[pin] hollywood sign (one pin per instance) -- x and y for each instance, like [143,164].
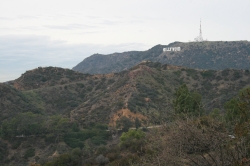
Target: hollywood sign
[172,49]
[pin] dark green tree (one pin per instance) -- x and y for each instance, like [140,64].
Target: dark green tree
[237,117]
[75,127]
[187,103]
[137,123]
[125,123]
[238,109]
[133,140]
[25,123]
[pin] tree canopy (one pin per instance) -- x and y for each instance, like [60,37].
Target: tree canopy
[187,103]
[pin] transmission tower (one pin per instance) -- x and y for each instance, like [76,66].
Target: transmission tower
[199,38]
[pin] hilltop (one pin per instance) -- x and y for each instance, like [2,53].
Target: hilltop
[210,55]
[46,76]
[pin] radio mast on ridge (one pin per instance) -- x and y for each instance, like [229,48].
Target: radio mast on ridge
[199,38]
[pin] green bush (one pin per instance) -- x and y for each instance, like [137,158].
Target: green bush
[187,103]
[101,126]
[126,160]
[191,72]
[75,127]
[29,153]
[76,139]
[24,123]
[133,140]
[15,144]
[236,75]
[74,143]
[97,140]
[225,72]
[178,73]
[132,134]
[3,151]
[247,72]
[62,160]
[208,73]
[50,138]
[124,123]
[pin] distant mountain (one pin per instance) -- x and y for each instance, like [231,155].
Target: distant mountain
[213,55]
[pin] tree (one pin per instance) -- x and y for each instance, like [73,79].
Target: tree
[137,123]
[215,113]
[101,160]
[57,125]
[238,112]
[125,123]
[25,123]
[187,103]
[132,134]
[132,140]
[238,120]
[237,109]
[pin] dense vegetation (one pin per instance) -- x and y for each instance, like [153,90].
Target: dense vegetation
[79,119]
[190,140]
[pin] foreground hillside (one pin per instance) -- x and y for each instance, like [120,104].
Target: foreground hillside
[217,55]
[145,91]
[54,110]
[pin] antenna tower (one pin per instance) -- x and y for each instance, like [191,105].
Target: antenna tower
[199,38]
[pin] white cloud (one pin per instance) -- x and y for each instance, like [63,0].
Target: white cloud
[70,26]
[70,30]
[21,53]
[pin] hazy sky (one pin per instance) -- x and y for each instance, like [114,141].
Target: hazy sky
[62,33]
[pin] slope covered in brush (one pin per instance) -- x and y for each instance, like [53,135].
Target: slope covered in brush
[69,109]
[145,91]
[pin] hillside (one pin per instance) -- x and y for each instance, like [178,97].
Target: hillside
[146,89]
[13,102]
[60,109]
[217,55]
[47,76]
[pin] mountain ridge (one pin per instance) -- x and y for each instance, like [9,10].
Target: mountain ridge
[214,55]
